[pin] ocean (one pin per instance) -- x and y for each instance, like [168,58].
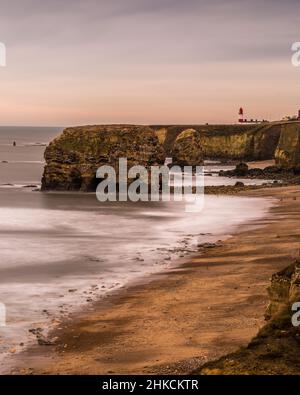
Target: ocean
[61,251]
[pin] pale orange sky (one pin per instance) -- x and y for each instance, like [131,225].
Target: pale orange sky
[147,61]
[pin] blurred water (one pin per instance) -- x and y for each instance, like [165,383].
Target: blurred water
[23,163]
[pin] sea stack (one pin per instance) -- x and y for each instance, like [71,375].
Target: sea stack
[73,158]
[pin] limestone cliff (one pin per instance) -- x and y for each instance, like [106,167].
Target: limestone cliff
[287,153]
[276,348]
[283,292]
[253,142]
[73,158]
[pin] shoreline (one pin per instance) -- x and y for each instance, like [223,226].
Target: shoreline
[40,314]
[172,323]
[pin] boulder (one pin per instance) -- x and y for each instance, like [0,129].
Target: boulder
[241,169]
[187,149]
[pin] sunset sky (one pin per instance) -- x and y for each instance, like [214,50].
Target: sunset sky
[147,61]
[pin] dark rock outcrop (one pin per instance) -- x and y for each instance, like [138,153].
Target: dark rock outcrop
[241,169]
[268,173]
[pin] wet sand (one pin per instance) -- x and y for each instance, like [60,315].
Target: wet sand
[209,307]
[262,164]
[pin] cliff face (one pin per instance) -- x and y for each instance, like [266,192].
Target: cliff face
[276,348]
[257,144]
[283,292]
[288,150]
[231,146]
[73,158]
[253,142]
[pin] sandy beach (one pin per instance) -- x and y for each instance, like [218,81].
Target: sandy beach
[179,320]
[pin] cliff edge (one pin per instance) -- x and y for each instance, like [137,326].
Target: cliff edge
[276,348]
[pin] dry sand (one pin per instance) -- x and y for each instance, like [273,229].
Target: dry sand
[209,307]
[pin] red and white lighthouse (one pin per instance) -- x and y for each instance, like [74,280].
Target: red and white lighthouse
[241,115]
